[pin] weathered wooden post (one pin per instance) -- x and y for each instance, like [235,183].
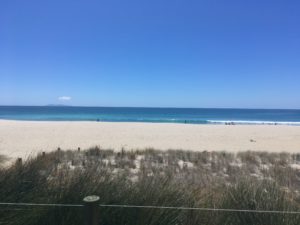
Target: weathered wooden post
[91,210]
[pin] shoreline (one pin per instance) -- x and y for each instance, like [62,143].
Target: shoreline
[182,121]
[19,138]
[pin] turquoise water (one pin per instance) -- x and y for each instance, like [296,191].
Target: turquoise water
[164,115]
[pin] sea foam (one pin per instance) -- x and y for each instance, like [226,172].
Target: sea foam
[250,122]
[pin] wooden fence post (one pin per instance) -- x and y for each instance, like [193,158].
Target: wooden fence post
[91,210]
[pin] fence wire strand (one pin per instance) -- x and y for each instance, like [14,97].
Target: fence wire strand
[153,207]
[203,209]
[39,204]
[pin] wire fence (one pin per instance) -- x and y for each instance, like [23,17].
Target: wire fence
[39,204]
[92,205]
[148,207]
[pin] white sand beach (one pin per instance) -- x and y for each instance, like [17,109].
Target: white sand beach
[24,138]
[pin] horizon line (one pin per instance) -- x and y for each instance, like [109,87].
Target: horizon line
[160,107]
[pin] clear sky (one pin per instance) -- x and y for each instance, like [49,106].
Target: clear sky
[164,53]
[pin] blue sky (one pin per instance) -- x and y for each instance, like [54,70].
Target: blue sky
[170,53]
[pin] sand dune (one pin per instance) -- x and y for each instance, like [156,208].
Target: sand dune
[22,138]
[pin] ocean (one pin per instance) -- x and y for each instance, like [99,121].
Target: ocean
[153,115]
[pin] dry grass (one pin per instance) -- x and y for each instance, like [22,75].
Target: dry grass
[247,180]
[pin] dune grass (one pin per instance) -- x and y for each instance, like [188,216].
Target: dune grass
[247,180]
[3,159]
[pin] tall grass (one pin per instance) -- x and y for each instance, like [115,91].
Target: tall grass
[257,181]
[3,159]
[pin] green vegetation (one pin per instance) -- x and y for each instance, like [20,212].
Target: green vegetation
[247,180]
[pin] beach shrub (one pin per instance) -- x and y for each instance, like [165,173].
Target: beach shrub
[151,177]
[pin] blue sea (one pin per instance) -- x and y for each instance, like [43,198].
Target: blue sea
[152,115]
